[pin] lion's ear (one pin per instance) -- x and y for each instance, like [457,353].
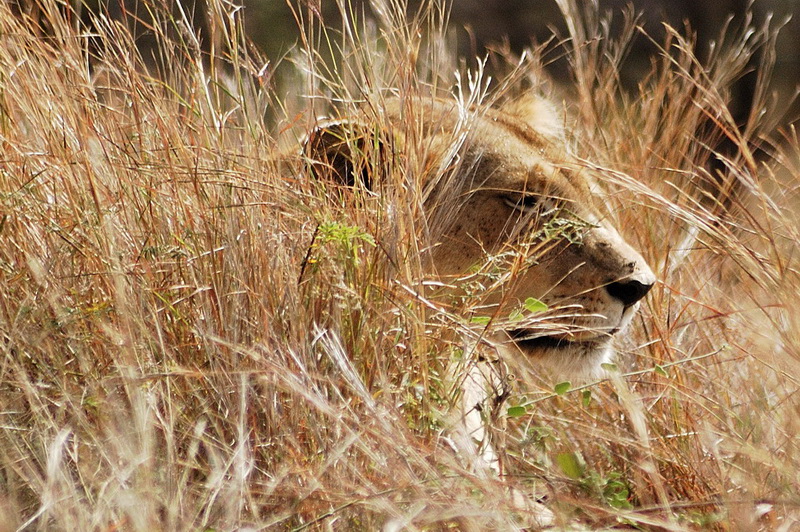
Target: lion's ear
[345,152]
[541,114]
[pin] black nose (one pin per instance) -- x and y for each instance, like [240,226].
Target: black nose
[629,292]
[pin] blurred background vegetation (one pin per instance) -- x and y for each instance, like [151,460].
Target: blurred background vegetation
[482,25]
[479,26]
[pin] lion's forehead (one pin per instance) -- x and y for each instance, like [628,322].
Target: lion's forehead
[504,152]
[507,163]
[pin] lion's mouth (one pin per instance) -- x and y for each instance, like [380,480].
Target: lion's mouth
[528,339]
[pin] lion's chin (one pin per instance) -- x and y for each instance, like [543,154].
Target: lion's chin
[566,357]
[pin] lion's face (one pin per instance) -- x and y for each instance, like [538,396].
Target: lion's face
[512,199]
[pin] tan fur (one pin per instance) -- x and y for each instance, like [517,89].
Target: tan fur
[502,184]
[477,164]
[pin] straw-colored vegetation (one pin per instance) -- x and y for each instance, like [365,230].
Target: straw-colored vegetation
[196,337]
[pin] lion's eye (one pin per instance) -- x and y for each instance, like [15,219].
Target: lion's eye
[532,203]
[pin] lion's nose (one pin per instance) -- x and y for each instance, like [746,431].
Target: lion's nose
[629,291]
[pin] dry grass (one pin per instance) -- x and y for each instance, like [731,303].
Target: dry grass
[194,338]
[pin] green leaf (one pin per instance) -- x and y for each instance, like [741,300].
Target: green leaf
[516,315]
[534,305]
[570,464]
[616,492]
[586,397]
[517,411]
[480,320]
[611,368]
[562,387]
[660,370]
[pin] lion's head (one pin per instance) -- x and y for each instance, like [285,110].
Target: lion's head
[502,189]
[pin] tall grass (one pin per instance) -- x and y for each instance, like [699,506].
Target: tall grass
[194,336]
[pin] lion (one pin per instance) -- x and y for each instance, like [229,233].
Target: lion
[502,183]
